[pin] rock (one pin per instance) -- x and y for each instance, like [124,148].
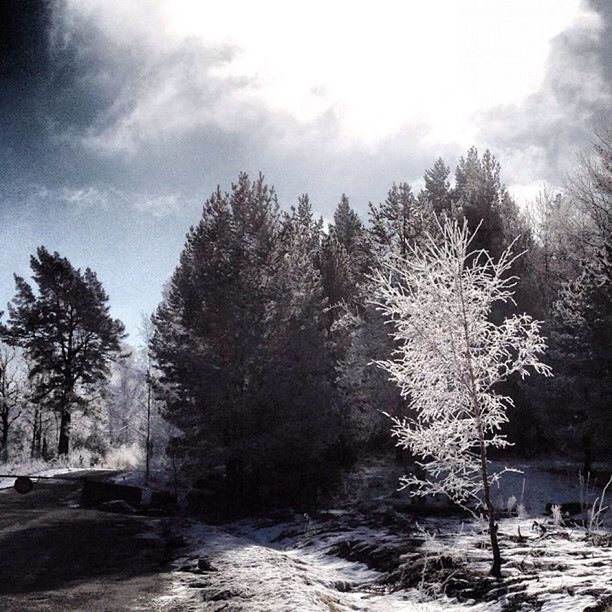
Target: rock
[343,586]
[23,485]
[205,565]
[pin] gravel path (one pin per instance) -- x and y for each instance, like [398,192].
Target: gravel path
[55,556]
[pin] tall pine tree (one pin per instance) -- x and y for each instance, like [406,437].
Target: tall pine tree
[66,330]
[241,346]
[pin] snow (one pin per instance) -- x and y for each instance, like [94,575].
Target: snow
[260,575]
[39,469]
[296,564]
[259,569]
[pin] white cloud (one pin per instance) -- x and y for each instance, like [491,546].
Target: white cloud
[158,206]
[106,197]
[369,71]
[538,138]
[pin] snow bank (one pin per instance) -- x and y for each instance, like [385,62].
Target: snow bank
[250,574]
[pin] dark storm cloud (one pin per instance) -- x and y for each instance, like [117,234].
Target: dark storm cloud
[101,114]
[24,67]
[542,136]
[43,94]
[23,45]
[63,82]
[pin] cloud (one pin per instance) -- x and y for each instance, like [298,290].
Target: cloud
[172,67]
[117,119]
[539,138]
[158,206]
[96,197]
[165,97]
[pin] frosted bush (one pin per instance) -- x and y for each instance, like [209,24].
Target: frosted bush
[124,457]
[557,515]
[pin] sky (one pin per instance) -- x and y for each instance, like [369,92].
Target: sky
[118,119]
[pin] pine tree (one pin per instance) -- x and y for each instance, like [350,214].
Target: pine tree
[347,228]
[240,344]
[437,190]
[345,259]
[484,202]
[210,326]
[364,393]
[297,379]
[67,333]
[302,217]
[397,222]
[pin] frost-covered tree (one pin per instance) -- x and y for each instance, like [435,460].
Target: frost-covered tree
[450,360]
[126,398]
[13,389]
[582,343]
[555,257]
[590,190]
[581,336]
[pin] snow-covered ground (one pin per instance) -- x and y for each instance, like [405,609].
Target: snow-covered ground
[253,572]
[7,483]
[122,458]
[361,557]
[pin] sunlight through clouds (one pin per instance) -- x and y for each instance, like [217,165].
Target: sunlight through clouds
[124,114]
[375,69]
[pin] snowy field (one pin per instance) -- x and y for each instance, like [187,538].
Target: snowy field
[372,555]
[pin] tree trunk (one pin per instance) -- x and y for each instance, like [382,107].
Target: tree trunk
[36,433]
[497,561]
[496,567]
[5,432]
[64,434]
[148,436]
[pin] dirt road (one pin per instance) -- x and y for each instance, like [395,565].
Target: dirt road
[55,556]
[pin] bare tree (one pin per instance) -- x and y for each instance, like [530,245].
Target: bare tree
[590,189]
[146,334]
[13,379]
[449,361]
